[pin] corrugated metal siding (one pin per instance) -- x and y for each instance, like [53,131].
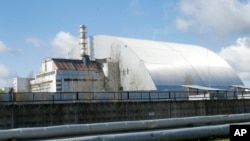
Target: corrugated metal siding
[68,64]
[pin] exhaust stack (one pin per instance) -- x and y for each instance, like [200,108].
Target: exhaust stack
[83,48]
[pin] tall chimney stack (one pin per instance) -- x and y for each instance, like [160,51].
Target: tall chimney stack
[83,48]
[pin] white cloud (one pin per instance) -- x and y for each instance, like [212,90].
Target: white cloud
[182,24]
[5,49]
[219,16]
[63,43]
[6,76]
[237,55]
[34,41]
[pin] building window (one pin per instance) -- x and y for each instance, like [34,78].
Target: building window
[58,85]
[58,89]
[46,74]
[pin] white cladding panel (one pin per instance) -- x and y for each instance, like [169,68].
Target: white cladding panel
[21,84]
[154,65]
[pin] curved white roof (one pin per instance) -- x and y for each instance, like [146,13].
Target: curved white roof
[167,65]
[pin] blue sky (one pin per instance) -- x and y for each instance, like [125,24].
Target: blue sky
[31,30]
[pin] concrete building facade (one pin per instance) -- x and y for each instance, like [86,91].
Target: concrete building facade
[67,75]
[21,84]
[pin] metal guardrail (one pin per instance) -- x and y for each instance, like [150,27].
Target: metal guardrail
[140,96]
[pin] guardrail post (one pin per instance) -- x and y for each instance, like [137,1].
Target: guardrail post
[61,96]
[149,96]
[53,99]
[174,96]
[127,95]
[77,96]
[33,98]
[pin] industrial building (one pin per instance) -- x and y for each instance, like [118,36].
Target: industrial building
[108,63]
[71,75]
[21,84]
[154,65]
[67,75]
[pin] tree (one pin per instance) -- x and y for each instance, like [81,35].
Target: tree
[1,91]
[188,80]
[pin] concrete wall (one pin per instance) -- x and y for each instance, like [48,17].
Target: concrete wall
[21,84]
[35,115]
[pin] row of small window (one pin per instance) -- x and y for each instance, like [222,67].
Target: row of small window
[41,86]
[80,79]
[40,89]
[58,89]
[58,85]
[59,81]
[46,74]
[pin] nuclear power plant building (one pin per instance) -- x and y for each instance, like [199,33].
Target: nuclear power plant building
[132,64]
